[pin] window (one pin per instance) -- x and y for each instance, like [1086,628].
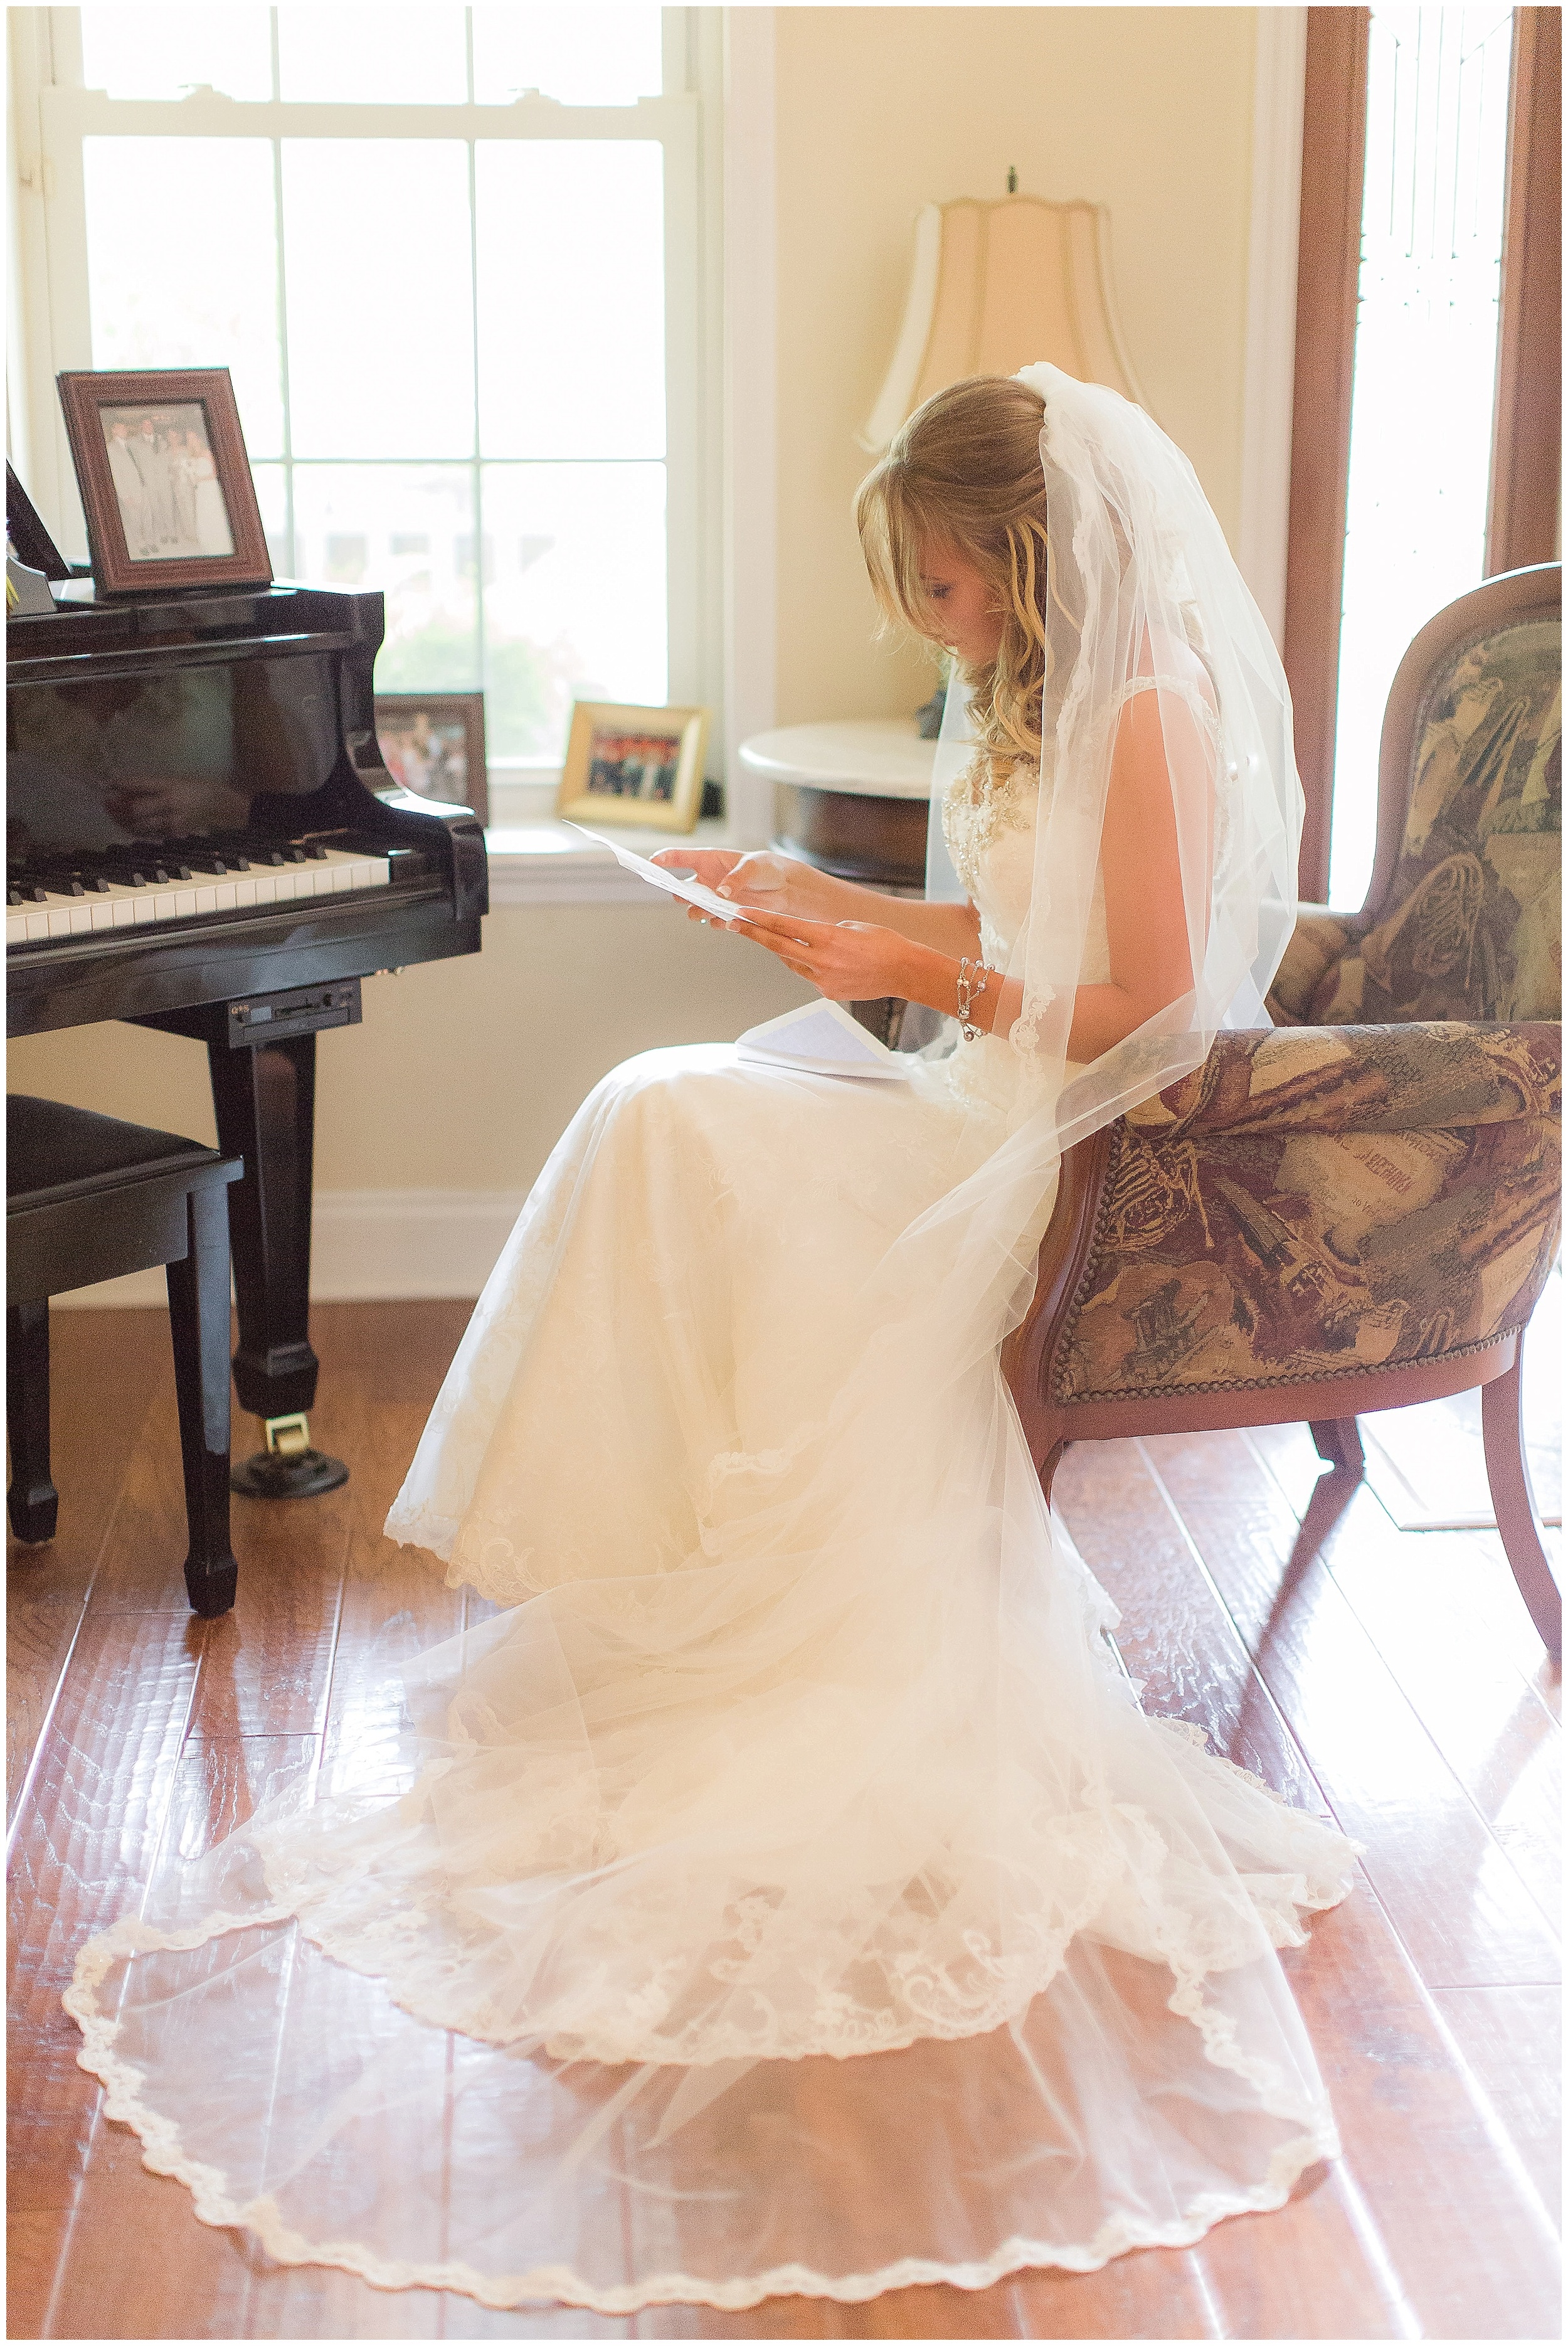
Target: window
[1432,144]
[1426,352]
[450,255]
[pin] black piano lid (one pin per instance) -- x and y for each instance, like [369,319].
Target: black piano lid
[315,646]
[123,636]
[25,528]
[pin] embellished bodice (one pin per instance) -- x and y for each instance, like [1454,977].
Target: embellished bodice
[990,815]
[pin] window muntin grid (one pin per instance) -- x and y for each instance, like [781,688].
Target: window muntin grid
[496,430]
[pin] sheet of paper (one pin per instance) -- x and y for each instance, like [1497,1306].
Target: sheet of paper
[822,1039]
[690,892]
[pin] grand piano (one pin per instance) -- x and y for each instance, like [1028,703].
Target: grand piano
[202,838]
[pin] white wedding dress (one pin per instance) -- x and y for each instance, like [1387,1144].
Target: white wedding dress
[802,1740]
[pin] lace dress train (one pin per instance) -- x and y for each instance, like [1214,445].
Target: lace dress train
[786,1892]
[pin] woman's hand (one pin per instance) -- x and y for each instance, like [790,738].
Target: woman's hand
[849,960]
[778,883]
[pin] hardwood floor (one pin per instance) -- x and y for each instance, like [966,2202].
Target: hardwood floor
[1403,1680]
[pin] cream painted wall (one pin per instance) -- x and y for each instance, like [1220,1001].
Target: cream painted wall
[464,1073]
[879,110]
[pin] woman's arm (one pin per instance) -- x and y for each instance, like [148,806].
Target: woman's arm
[1146,908]
[1145,911]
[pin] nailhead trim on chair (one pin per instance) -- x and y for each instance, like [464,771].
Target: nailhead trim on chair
[1268,1384]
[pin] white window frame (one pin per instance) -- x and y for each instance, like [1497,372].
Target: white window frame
[52,114]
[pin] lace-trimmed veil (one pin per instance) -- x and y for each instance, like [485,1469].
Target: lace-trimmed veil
[861,1778]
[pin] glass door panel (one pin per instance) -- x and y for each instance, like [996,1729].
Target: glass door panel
[1426,356]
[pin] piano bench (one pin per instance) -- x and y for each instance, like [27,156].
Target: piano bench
[89,1198]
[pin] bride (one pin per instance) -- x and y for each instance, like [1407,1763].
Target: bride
[788,1894]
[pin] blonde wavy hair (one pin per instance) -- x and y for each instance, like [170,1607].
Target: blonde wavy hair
[964,471]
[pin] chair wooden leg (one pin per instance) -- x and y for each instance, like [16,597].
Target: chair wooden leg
[1053,1459]
[1514,1503]
[1339,1440]
[32,1502]
[198,1321]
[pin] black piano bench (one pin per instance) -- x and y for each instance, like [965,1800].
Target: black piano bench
[88,1198]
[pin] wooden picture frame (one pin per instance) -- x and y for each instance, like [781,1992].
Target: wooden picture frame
[637,768]
[433,743]
[165,480]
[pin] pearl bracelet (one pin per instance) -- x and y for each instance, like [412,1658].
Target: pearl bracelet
[974,977]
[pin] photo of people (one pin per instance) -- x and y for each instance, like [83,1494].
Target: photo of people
[426,754]
[433,744]
[632,765]
[166,481]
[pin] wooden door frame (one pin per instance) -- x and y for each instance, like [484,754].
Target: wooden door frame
[1521,517]
[1527,416]
[1333,166]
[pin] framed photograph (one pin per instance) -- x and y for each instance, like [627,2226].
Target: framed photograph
[165,480]
[433,744]
[639,767]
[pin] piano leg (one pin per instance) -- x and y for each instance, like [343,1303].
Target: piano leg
[32,1502]
[199,1319]
[265,1098]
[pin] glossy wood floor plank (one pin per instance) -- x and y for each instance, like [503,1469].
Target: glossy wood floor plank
[1502,1744]
[34,2239]
[124,2248]
[313,2301]
[1451,1889]
[1316,2269]
[1377,1991]
[1451,1574]
[1175,1635]
[1152,2293]
[142,1566]
[1428,1461]
[1513,1621]
[776,2316]
[84,1848]
[1430,2224]
[462,2318]
[1445,2216]
[41,1620]
[1512,2039]
[116,1386]
[396,1603]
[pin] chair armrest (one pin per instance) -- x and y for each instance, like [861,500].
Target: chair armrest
[1318,942]
[1346,1080]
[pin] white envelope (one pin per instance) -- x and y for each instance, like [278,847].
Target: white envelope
[822,1039]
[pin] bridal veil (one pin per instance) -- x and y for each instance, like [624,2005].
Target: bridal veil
[800,1901]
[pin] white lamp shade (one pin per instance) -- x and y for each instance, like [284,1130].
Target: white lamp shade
[995,286]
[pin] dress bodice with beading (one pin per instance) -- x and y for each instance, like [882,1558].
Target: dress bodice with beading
[989,816]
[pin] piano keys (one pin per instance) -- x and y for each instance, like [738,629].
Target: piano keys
[153,882]
[202,838]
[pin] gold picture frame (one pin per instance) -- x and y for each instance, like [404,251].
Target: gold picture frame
[637,768]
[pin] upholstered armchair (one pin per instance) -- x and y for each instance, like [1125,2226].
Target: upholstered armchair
[1357,1209]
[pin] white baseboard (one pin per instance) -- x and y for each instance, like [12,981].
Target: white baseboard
[368,1246]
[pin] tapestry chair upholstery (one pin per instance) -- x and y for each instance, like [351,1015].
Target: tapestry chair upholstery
[1357,1209]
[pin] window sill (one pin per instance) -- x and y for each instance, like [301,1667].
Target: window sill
[548,862]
